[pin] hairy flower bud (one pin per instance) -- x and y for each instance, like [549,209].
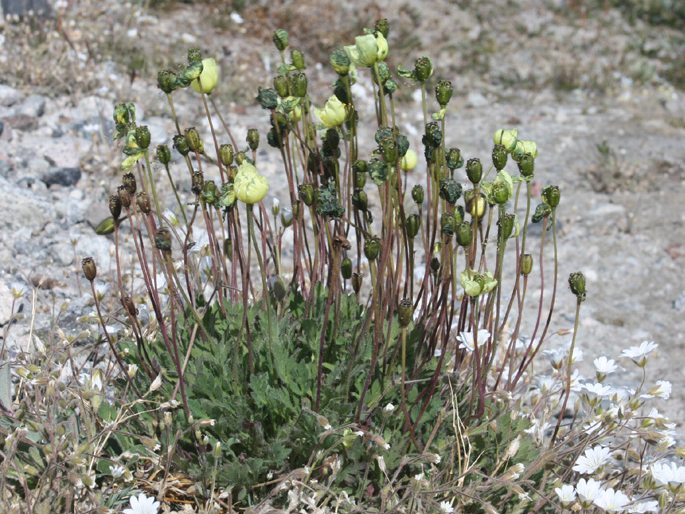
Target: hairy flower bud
[306,193]
[346,268]
[447,225]
[267,98]
[197,183]
[333,113]
[433,135]
[412,225]
[142,135]
[423,69]
[226,153]
[163,154]
[143,202]
[297,59]
[115,206]
[356,282]
[499,157]
[576,282]
[405,312]
[163,240]
[282,86]
[506,138]
[280,39]
[340,61]
[194,141]
[372,247]
[360,199]
[551,196]
[383,26]
[252,138]
[474,170]
[542,211]
[499,193]
[443,92]
[464,235]
[129,182]
[435,264]
[194,55]
[89,269]
[526,264]
[124,196]
[505,226]
[166,81]
[450,190]
[298,85]
[454,159]
[417,194]
[526,165]
[181,144]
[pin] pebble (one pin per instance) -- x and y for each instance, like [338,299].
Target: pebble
[9,96]
[62,177]
[476,99]
[33,106]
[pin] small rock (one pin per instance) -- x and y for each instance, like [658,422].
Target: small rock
[9,96]
[33,106]
[679,302]
[26,8]
[476,99]
[22,122]
[62,177]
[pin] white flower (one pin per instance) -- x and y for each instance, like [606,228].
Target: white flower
[142,504]
[605,366]
[389,407]
[588,490]
[566,493]
[598,390]
[593,459]
[612,501]
[638,354]
[668,474]
[466,339]
[117,471]
[662,390]
[643,507]
[558,356]
[446,507]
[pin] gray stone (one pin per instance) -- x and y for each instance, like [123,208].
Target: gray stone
[476,99]
[2,127]
[9,96]
[26,8]
[679,302]
[62,177]
[33,106]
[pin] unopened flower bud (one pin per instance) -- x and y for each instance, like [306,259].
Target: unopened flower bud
[163,240]
[124,196]
[346,268]
[287,218]
[551,196]
[474,170]
[240,158]
[143,136]
[143,202]
[297,59]
[505,226]
[356,282]
[282,86]
[499,157]
[360,199]
[405,312]
[506,138]
[410,160]
[500,193]
[447,225]
[576,282]
[197,182]
[89,269]
[450,190]
[129,182]
[194,140]
[163,154]
[129,306]
[383,27]
[306,194]
[435,264]
[298,85]
[253,139]
[194,55]
[278,288]
[526,264]
[166,81]
[115,206]
[389,150]
[280,39]
[541,212]
[228,248]
[226,153]
[443,92]
[423,69]
[181,144]
[464,235]
[417,194]
[413,225]
[454,159]
[526,165]
[340,61]
[433,135]
[372,247]
[267,98]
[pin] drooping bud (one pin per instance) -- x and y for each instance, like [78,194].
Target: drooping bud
[417,194]
[405,312]
[89,269]
[280,39]
[115,206]
[464,235]
[541,212]
[181,144]
[526,264]
[505,226]
[576,282]
[278,288]
[287,217]
[306,194]
[360,199]
[163,240]
[450,190]
[267,98]
[282,86]
[124,196]
[298,85]
[499,157]
[194,141]
[423,69]
[143,202]
[346,268]
[383,27]
[226,153]
[129,182]
[166,81]
[143,137]
[253,139]
[474,170]
[526,165]
[454,159]
[340,61]
[297,59]
[163,154]
[372,247]
[551,196]
[412,226]
[197,183]
[443,92]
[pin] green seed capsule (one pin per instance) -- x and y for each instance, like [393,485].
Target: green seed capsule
[576,282]
[526,264]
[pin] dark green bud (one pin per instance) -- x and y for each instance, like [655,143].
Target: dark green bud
[356,282]
[417,194]
[89,269]
[360,179]
[551,196]
[163,154]
[389,150]
[450,190]
[382,134]
[459,214]
[280,39]
[226,153]
[443,92]
[274,138]
[526,264]
[423,69]
[389,87]
[124,196]
[287,217]
[378,170]
[267,98]
[331,142]
[505,226]
[340,91]
[433,136]
[115,206]
[499,157]
[454,159]
[278,288]
[190,73]
[194,140]
[383,73]
[166,81]
[340,61]
[360,166]
[282,85]
[372,247]
[331,167]
[197,182]
[447,224]
[499,193]
[346,268]
[541,212]
[228,248]
[464,235]
[143,202]
[412,225]
[210,193]
[163,240]
[360,199]
[405,312]
[143,137]
[526,165]
[297,59]
[576,282]
[435,264]
[402,145]
[240,158]
[298,84]
[252,139]
[306,193]
[181,144]
[129,182]
[194,55]
[383,27]
[474,170]
[105,227]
